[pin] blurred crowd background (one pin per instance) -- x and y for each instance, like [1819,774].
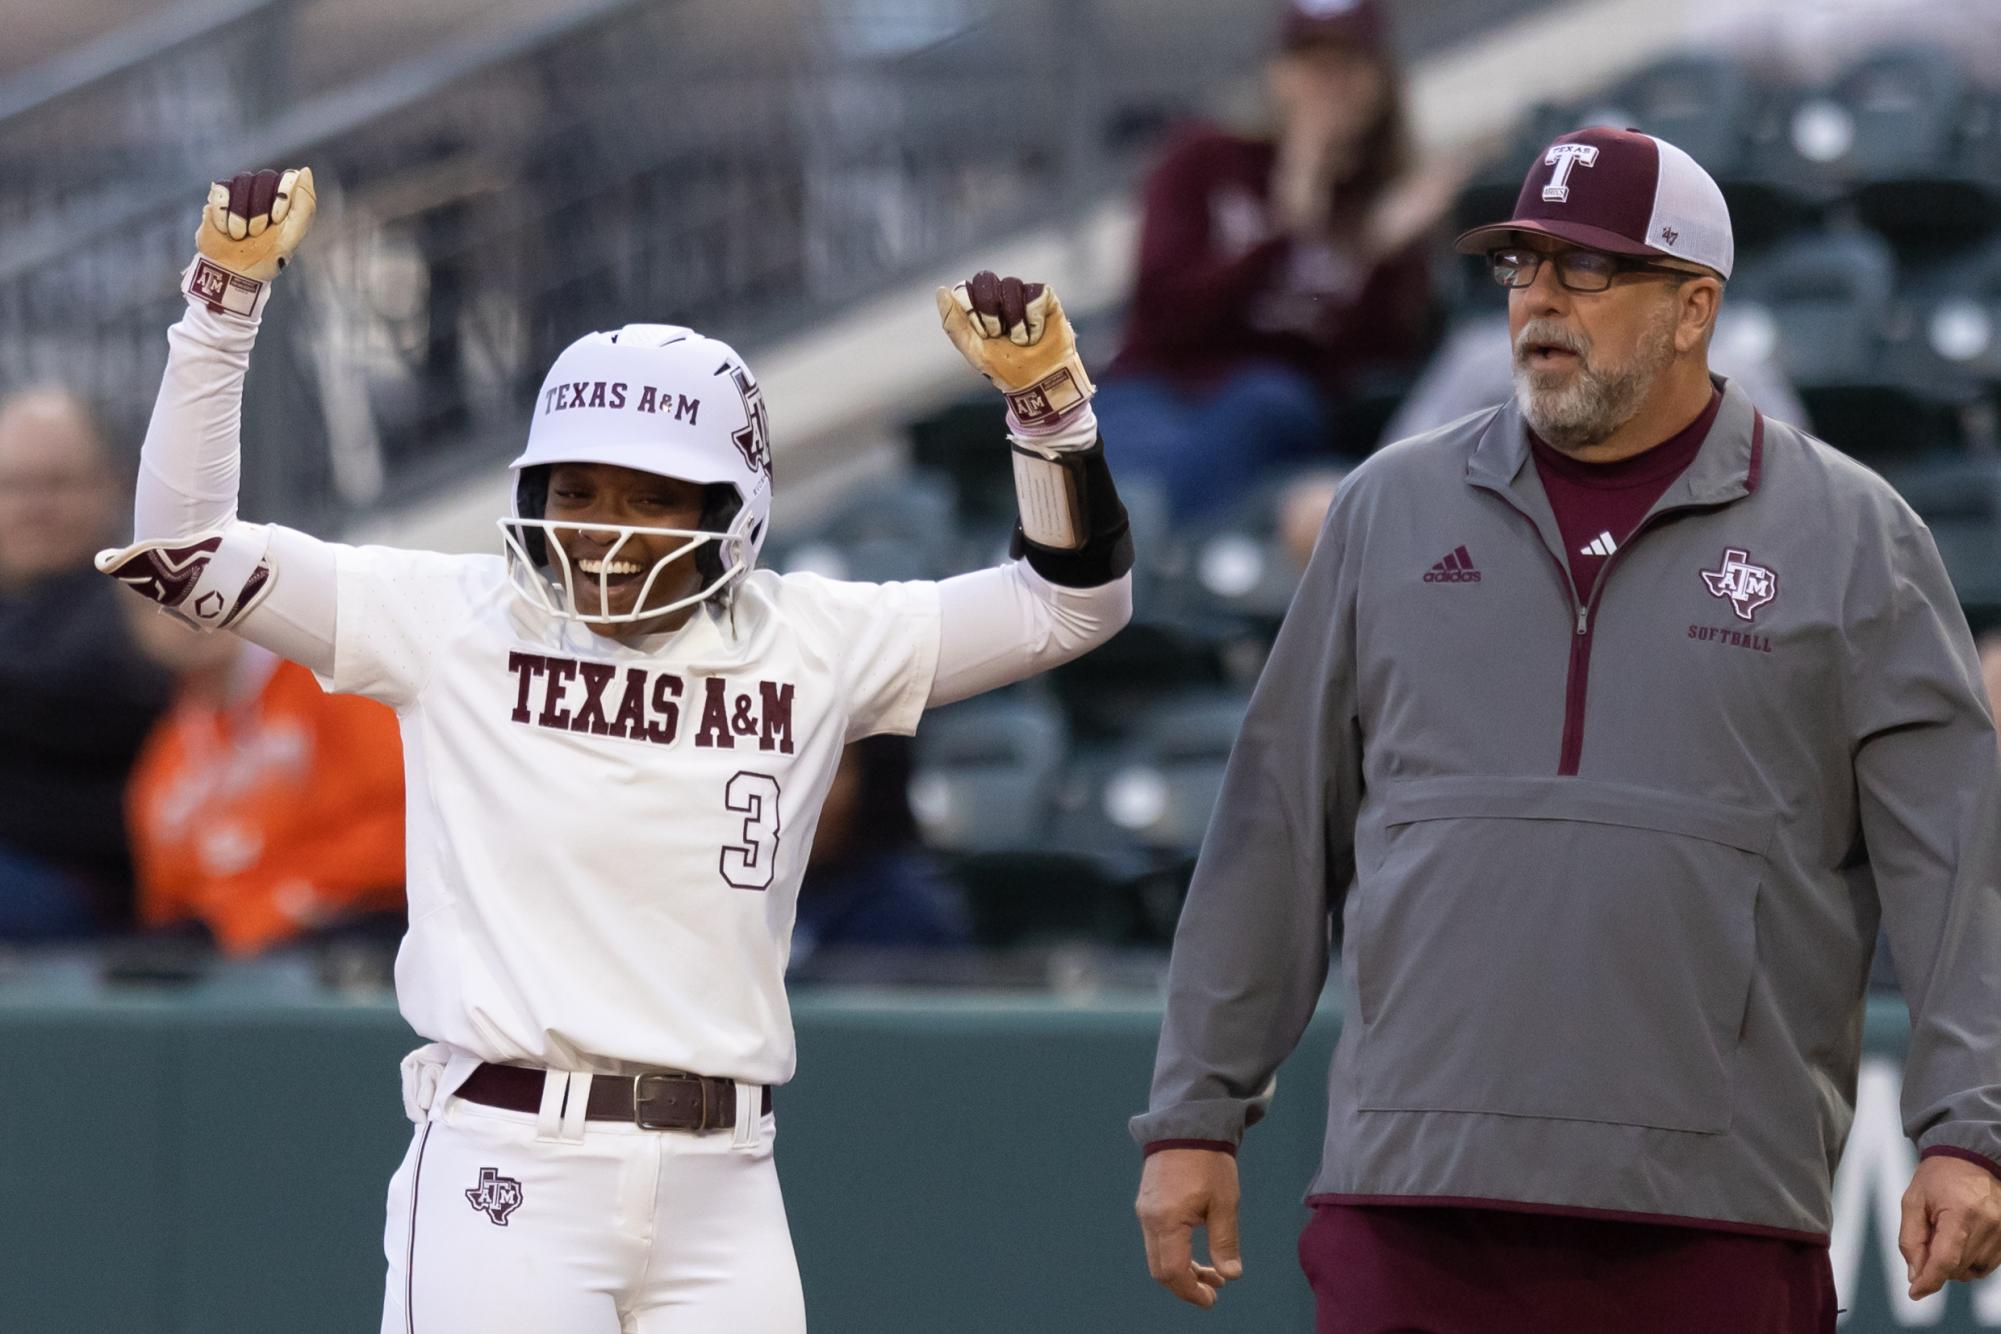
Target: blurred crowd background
[1247,205]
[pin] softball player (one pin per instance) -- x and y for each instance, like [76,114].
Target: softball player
[617,736]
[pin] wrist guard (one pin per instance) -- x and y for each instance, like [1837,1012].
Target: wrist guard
[1073,529]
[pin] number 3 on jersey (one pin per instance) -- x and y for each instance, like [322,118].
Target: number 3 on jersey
[752,863]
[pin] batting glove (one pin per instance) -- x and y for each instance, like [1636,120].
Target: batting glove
[249,228]
[1017,336]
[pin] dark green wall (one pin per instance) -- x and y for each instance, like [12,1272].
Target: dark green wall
[215,1159]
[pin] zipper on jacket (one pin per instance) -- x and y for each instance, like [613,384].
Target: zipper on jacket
[1577,680]
[1580,649]
[1578,676]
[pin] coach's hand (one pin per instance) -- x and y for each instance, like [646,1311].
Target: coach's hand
[249,228]
[1016,334]
[1179,1191]
[1952,1224]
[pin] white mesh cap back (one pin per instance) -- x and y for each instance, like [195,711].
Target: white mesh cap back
[1690,220]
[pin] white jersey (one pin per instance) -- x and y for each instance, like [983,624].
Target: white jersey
[606,841]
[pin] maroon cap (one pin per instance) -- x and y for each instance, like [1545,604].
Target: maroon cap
[1355,22]
[1623,192]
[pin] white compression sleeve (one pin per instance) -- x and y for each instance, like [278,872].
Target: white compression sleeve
[296,618]
[189,465]
[1001,625]
[188,477]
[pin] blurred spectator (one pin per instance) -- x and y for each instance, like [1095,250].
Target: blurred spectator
[1990,670]
[79,694]
[262,808]
[869,882]
[1302,511]
[1273,270]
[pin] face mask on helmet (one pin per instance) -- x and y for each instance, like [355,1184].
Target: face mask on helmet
[657,399]
[650,563]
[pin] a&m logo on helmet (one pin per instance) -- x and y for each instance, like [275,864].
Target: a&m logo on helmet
[754,440]
[1748,586]
[495,1196]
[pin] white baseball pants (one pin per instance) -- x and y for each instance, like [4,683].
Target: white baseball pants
[536,1224]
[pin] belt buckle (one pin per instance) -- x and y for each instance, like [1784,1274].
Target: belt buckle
[638,1099]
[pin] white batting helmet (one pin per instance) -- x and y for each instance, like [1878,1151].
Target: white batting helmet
[661,399]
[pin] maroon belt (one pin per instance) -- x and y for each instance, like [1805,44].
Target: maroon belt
[656,1100]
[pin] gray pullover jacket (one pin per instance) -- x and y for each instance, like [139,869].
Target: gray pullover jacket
[1610,876]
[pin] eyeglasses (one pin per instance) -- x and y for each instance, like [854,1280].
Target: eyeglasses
[1578,270]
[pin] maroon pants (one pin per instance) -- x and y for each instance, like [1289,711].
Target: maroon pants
[1423,1269]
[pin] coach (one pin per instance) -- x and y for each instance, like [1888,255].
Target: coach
[1612,721]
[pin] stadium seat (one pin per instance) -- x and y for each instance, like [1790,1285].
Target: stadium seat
[1152,525]
[1107,694]
[1723,115]
[1960,501]
[1026,897]
[1906,135]
[1230,570]
[1701,103]
[984,772]
[1154,789]
[1826,300]
[1949,332]
[960,442]
[1164,787]
[876,532]
[1136,810]
[1078,819]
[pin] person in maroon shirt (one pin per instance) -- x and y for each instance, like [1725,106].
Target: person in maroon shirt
[1272,269]
[1615,264]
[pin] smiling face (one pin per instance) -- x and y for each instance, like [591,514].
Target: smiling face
[603,493]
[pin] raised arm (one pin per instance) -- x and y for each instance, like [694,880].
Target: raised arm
[190,552]
[1073,589]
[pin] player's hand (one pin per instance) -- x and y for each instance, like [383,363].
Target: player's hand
[1016,334]
[255,220]
[1951,1224]
[249,228]
[1179,1191]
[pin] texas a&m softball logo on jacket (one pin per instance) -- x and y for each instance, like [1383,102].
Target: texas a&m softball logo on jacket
[1747,586]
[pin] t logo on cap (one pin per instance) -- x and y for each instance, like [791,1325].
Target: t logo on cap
[1648,199]
[1563,157]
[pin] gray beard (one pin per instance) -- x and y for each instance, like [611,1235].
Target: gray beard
[1595,403]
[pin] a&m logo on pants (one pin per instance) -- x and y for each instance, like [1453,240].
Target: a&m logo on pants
[1748,586]
[495,1196]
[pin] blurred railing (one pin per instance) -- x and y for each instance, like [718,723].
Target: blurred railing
[744,165]
[740,165]
[152,100]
